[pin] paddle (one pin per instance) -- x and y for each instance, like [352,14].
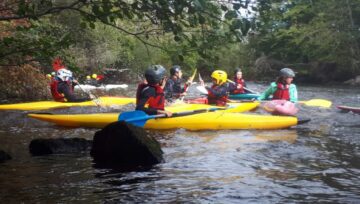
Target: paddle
[139,118]
[317,102]
[246,89]
[191,79]
[96,100]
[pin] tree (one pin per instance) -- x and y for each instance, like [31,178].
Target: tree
[202,24]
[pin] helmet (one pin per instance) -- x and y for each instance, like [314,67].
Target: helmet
[154,74]
[64,74]
[220,76]
[287,72]
[88,77]
[94,76]
[174,69]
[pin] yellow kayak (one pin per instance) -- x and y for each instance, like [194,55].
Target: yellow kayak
[217,120]
[43,105]
[100,120]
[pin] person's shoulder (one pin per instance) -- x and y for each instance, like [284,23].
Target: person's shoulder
[273,84]
[292,86]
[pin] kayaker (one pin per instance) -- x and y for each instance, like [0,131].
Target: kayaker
[218,92]
[62,87]
[173,88]
[283,88]
[240,85]
[150,96]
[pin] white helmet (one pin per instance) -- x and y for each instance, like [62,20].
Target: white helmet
[64,74]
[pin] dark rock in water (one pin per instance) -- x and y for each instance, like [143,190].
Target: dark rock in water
[121,144]
[59,146]
[4,156]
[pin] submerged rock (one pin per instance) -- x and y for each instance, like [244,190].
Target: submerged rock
[121,144]
[4,156]
[59,146]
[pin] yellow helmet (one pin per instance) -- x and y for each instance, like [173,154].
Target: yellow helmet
[94,76]
[220,76]
[88,77]
[48,76]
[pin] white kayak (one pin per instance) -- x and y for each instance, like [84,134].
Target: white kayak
[107,87]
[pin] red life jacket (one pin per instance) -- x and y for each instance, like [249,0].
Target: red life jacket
[219,101]
[282,92]
[59,97]
[241,90]
[157,101]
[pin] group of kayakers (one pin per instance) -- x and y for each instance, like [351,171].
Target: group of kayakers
[157,89]
[153,93]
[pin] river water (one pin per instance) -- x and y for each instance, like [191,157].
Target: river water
[314,162]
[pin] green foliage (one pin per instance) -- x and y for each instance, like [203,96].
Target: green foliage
[306,31]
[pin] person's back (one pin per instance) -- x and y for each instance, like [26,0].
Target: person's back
[62,87]
[218,92]
[150,96]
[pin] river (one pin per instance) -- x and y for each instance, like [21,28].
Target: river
[314,162]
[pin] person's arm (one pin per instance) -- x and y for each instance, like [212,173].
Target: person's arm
[168,90]
[65,89]
[293,93]
[268,92]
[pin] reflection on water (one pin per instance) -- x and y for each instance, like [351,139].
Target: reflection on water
[315,162]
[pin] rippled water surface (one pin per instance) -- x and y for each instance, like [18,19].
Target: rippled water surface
[315,162]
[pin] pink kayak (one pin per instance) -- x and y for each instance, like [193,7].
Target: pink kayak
[201,100]
[280,107]
[350,108]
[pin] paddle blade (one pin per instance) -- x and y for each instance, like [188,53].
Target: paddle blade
[317,102]
[202,90]
[137,118]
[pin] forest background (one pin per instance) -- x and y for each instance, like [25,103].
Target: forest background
[319,39]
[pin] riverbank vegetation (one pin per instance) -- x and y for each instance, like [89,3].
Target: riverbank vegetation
[319,39]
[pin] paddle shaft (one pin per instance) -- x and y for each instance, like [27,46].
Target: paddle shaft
[97,101]
[188,86]
[246,89]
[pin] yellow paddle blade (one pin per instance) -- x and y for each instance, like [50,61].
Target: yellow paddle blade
[317,102]
[193,75]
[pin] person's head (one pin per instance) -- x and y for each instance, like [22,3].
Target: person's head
[176,71]
[94,76]
[219,77]
[155,74]
[64,74]
[238,73]
[287,75]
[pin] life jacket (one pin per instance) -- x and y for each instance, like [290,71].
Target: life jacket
[157,101]
[282,92]
[241,90]
[59,97]
[219,101]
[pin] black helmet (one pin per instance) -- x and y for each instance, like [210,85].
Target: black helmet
[174,69]
[154,74]
[287,72]
[237,69]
